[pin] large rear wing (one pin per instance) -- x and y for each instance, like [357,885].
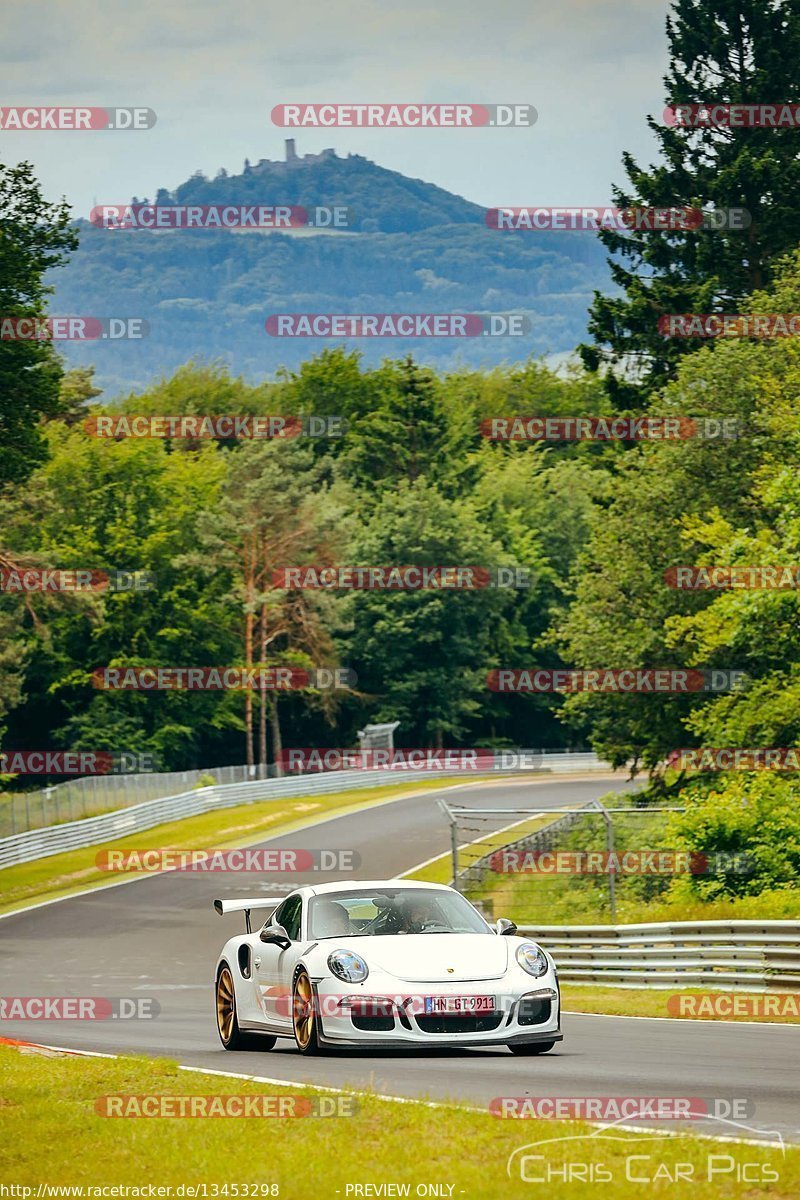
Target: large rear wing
[245,906]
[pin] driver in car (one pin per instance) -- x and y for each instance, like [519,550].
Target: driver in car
[419,914]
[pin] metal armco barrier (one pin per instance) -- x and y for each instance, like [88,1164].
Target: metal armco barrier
[91,795]
[752,955]
[73,835]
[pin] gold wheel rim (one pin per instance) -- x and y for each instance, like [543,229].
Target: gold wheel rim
[303,1014]
[226,1005]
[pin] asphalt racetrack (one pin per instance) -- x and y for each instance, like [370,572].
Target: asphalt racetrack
[159,937]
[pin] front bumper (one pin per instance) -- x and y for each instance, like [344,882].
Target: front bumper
[349,1015]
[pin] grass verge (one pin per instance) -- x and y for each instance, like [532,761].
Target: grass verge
[49,1102]
[783,1008]
[228,828]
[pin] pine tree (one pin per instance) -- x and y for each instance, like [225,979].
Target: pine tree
[723,52]
[35,237]
[406,435]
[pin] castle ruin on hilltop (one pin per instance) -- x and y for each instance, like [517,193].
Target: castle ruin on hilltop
[292,158]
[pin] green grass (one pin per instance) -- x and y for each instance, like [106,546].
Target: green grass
[558,901]
[439,871]
[652,1002]
[229,828]
[52,1134]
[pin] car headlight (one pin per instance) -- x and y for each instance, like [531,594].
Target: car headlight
[532,959]
[348,966]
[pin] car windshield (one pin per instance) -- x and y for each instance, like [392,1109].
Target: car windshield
[392,911]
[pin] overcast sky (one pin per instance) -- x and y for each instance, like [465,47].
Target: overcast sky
[212,72]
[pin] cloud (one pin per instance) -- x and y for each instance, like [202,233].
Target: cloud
[213,72]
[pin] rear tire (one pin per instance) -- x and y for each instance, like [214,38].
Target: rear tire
[530,1047]
[304,1019]
[228,1029]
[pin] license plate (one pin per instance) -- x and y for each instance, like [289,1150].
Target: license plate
[459,1004]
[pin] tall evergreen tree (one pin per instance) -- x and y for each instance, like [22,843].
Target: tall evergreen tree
[34,236]
[721,52]
[406,435]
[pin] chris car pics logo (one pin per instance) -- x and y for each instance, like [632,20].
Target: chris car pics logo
[613,1154]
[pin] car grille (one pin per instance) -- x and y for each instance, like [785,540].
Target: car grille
[373,1023]
[533,1010]
[459,1022]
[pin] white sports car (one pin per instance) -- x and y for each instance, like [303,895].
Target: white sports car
[388,964]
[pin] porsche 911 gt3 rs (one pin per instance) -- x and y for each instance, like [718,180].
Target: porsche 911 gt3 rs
[389,964]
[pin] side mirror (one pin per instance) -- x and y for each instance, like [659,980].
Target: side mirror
[275,935]
[505,927]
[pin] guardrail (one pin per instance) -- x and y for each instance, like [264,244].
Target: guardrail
[91,831]
[752,955]
[91,795]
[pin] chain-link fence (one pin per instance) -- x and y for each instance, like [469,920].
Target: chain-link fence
[537,865]
[94,794]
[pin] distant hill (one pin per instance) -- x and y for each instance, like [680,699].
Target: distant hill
[384,201]
[413,248]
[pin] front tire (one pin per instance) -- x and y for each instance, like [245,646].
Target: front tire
[304,1021]
[228,1029]
[531,1047]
